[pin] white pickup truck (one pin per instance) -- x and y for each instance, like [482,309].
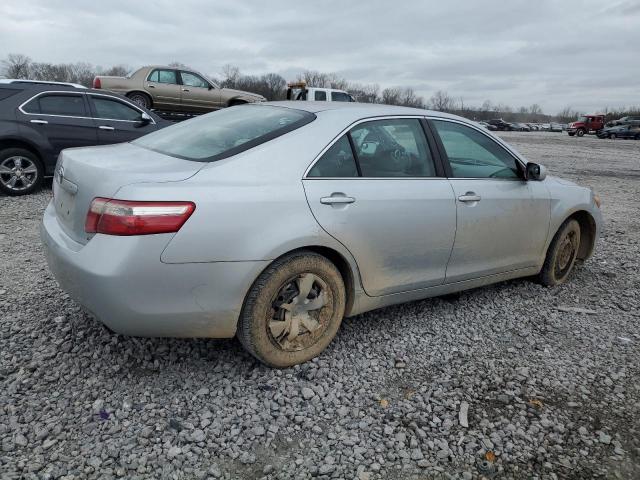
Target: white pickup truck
[300,91]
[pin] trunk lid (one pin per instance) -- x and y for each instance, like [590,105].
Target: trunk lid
[85,173]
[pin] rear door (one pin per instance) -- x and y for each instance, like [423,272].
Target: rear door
[164,87]
[62,118]
[377,190]
[116,120]
[502,219]
[197,93]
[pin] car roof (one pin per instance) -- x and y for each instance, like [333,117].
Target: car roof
[21,81]
[355,109]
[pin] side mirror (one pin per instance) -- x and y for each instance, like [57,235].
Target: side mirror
[145,119]
[536,172]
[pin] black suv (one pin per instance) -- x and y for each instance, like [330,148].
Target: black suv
[39,120]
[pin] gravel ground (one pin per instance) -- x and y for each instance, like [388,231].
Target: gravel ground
[550,376]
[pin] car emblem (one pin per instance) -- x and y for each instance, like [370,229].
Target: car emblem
[60,174]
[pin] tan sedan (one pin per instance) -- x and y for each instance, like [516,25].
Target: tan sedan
[175,89]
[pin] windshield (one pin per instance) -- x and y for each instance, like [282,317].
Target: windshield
[225,133]
[582,119]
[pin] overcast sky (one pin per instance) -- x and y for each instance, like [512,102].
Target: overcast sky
[552,52]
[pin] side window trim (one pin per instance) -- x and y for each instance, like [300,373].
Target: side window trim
[445,158]
[429,138]
[94,113]
[87,112]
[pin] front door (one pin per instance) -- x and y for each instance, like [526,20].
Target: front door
[377,192]
[197,93]
[117,121]
[503,220]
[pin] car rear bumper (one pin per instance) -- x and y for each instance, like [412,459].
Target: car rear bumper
[122,282]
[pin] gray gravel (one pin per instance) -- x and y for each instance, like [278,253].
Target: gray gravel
[549,378]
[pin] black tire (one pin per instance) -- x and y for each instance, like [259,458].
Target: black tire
[580,133]
[612,136]
[21,168]
[233,103]
[637,137]
[141,99]
[562,253]
[571,134]
[260,311]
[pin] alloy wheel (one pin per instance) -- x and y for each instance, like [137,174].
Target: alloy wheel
[300,312]
[18,173]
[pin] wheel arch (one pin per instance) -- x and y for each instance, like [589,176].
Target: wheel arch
[588,232]
[20,143]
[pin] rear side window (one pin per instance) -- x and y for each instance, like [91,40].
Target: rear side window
[393,148]
[111,109]
[320,96]
[338,161]
[340,97]
[163,76]
[225,133]
[8,92]
[68,105]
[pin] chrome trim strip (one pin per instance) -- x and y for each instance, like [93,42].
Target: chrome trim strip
[117,99]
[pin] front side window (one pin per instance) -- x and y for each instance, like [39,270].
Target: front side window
[338,161]
[107,108]
[320,96]
[163,76]
[393,148]
[57,104]
[225,132]
[474,155]
[340,97]
[193,80]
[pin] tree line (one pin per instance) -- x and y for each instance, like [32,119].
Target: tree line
[274,87]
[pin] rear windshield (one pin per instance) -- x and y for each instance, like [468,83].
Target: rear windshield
[225,133]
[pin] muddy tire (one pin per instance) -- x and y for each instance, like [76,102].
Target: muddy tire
[21,172]
[293,310]
[141,99]
[562,253]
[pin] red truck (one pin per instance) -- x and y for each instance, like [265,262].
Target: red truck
[586,124]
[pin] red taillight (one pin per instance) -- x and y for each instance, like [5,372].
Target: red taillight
[125,217]
[96,83]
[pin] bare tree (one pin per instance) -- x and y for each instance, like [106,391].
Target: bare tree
[17,66]
[391,96]
[535,109]
[441,101]
[230,76]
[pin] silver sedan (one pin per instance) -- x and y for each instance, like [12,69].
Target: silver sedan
[272,222]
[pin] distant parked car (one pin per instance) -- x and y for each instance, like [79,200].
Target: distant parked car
[500,124]
[381,205]
[20,81]
[488,126]
[555,127]
[38,120]
[625,120]
[300,91]
[621,131]
[520,127]
[174,89]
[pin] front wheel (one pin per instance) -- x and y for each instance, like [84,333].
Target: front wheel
[561,255]
[580,133]
[293,310]
[21,172]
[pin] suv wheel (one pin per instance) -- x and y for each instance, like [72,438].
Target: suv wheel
[293,310]
[21,172]
[141,99]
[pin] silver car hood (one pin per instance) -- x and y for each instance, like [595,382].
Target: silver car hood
[561,181]
[85,173]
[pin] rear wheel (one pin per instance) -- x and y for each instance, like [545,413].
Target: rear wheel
[141,99]
[293,310]
[21,172]
[562,254]
[580,133]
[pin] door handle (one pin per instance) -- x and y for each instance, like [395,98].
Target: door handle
[470,197]
[106,127]
[39,122]
[337,200]
[151,86]
[185,89]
